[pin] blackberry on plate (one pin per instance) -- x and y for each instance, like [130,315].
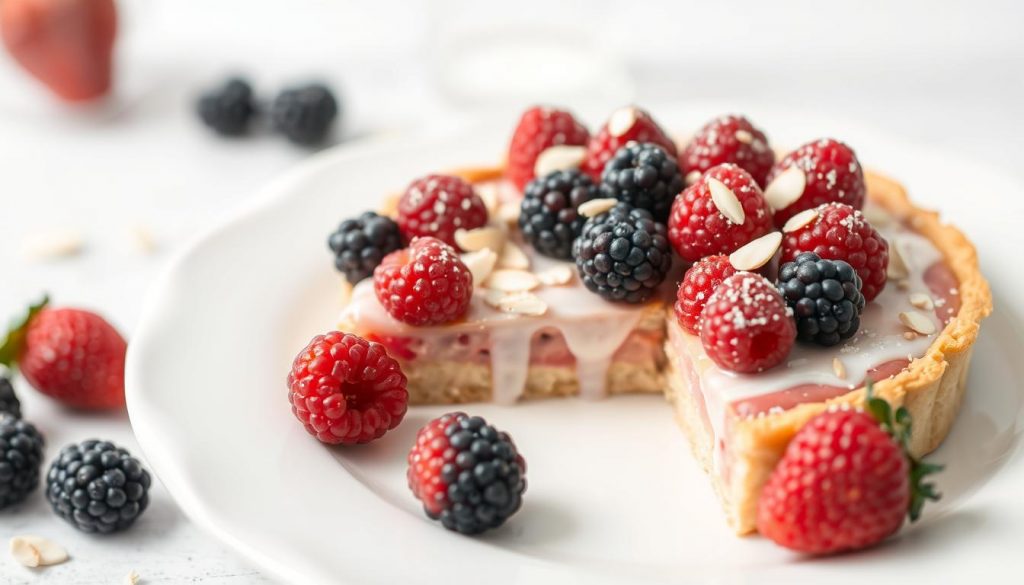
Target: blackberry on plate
[21,455]
[825,296]
[9,402]
[97,486]
[360,244]
[645,176]
[549,219]
[467,474]
[228,109]
[623,254]
[304,114]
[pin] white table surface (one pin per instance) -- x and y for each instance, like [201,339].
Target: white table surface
[949,78]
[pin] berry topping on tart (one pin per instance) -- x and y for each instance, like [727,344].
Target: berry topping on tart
[840,232]
[746,326]
[359,244]
[645,176]
[438,206]
[721,212]
[539,129]
[424,284]
[549,218]
[728,139]
[629,124]
[698,284]
[818,172]
[825,297]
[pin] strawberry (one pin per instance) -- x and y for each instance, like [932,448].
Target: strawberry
[71,355]
[845,481]
[66,44]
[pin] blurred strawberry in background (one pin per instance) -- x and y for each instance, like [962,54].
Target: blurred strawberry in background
[66,44]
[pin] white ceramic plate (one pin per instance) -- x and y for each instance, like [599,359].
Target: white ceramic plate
[614,495]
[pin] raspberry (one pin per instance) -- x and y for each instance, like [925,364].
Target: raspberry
[729,139]
[698,284]
[825,297]
[746,326]
[623,254]
[437,206]
[697,228]
[645,176]
[831,174]
[345,389]
[21,454]
[840,232]
[467,474]
[845,481]
[548,218]
[304,114]
[424,284]
[71,355]
[629,124]
[539,129]
[361,243]
[228,109]
[9,402]
[97,487]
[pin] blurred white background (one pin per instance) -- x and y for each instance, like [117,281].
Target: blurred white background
[946,74]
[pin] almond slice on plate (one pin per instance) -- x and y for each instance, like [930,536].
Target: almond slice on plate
[523,303]
[41,551]
[512,256]
[480,264]
[53,245]
[508,213]
[24,553]
[839,367]
[918,322]
[480,238]
[756,253]
[132,578]
[596,207]
[489,194]
[559,158]
[786,188]
[800,220]
[507,280]
[622,120]
[556,275]
[897,268]
[492,297]
[922,301]
[726,202]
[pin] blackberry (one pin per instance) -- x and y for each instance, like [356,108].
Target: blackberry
[825,297]
[548,219]
[360,244]
[623,254]
[9,402]
[468,474]
[21,454]
[304,114]
[645,176]
[228,109]
[97,486]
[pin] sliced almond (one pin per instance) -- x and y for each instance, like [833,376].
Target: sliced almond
[839,368]
[917,322]
[897,265]
[512,256]
[596,207]
[508,213]
[556,275]
[487,237]
[144,239]
[756,253]
[559,158]
[909,335]
[922,301]
[132,578]
[692,177]
[785,188]
[800,220]
[903,284]
[24,552]
[488,192]
[50,553]
[744,136]
[523,303]
[622,120]
[726,202]
[493,297]
[480,264]
[54,245]
[512,280]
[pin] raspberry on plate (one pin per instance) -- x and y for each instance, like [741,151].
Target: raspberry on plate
[424,284]
[467,474]
[645,176]
[346,390]
[818,172]
[825,297]
[540,128]
[840,232]
[728,139]
[746,326]
[73,356]
[698,284]
[438,206]
[548,217]
[845,482]
[719,213]
[629,124]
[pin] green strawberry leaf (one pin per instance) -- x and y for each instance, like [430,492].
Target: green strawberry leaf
[15,340]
